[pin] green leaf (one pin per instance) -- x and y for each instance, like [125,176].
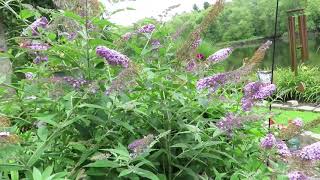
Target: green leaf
[52,36]
[47,172]
[48,119]
[11,167]
[36,174]
[26,13]
[125,172]
[43,133]
[14,175]
[103,164]
[146,174]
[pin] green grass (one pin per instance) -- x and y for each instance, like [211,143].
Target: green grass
[283,116]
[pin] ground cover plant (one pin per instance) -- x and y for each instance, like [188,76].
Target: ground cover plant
[94,104]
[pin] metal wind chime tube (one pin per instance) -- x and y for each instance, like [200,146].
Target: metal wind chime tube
[303,37]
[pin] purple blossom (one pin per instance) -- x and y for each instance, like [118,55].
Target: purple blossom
[29,75]
[212,82]
[195,44]
[311,152]
[192,65]
[297,175]
[140,145]
[40,58]
[72,36]
[220,55]
[155,44]
[113,57]
[231,122]
[76,83]
[41,22]
[127,36]
[35,46]
[298,122]
[268,142]
[283,149]
[255,91]
[149,28]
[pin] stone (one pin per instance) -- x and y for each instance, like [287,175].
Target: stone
[308,137]
[293,103]
[317,110]
[5,69]
[306,108]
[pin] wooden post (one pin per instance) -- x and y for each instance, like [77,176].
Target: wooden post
[303,37]
[292,43]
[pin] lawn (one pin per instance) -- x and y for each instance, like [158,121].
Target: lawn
[282,116]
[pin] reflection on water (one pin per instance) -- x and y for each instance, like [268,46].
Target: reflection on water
[282,56]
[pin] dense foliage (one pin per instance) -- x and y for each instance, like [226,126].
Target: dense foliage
[95,104]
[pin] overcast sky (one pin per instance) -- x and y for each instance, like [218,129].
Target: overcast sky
[148,8]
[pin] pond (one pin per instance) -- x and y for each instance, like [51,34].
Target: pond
[282,56]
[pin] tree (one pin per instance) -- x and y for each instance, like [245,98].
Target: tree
[195,8]
[206,5]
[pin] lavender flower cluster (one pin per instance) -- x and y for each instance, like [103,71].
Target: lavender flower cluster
[29,75]
[195,44]
[191,65]
[297,175]
[140,145]
[149,28]
[41,22]
[283,149]
[220,55]
[76,83]
[212,82]
[36,46]
[232,121]
[298,122]
[155,44]
[113,57]
[40,58]
[311,152]
[255,91]
[268,142]
[127,36]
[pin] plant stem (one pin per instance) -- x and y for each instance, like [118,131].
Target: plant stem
[87,40]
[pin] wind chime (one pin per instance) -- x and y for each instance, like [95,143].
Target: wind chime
[303,37]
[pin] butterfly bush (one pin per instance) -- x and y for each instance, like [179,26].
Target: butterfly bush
[297,175]
[29,75]
[268,142]
[283,149]
[74,82]
[196,43]
[212,82]
[140,145]
[149,28]
[156,44]
[40,58]
[311,152]
[220,55]
[298,122]
[127,36]
[255,91]
[232,121]
[113,57]
[41,22]
[36,46]
[191,65]
[236,76]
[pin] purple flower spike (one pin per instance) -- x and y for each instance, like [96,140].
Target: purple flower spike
[311,152]
[40,58]
[268,142]
[155,44]
[113,57]
[75,83]
[200,56]
[191,66]
[298,122]
[127,36]
[138,146]
[283,149]
[220,55]
[149,28]
[196,43]
[35,46]
[29,75]
[297,175]
[41,22]
[212,82]
[255,91]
